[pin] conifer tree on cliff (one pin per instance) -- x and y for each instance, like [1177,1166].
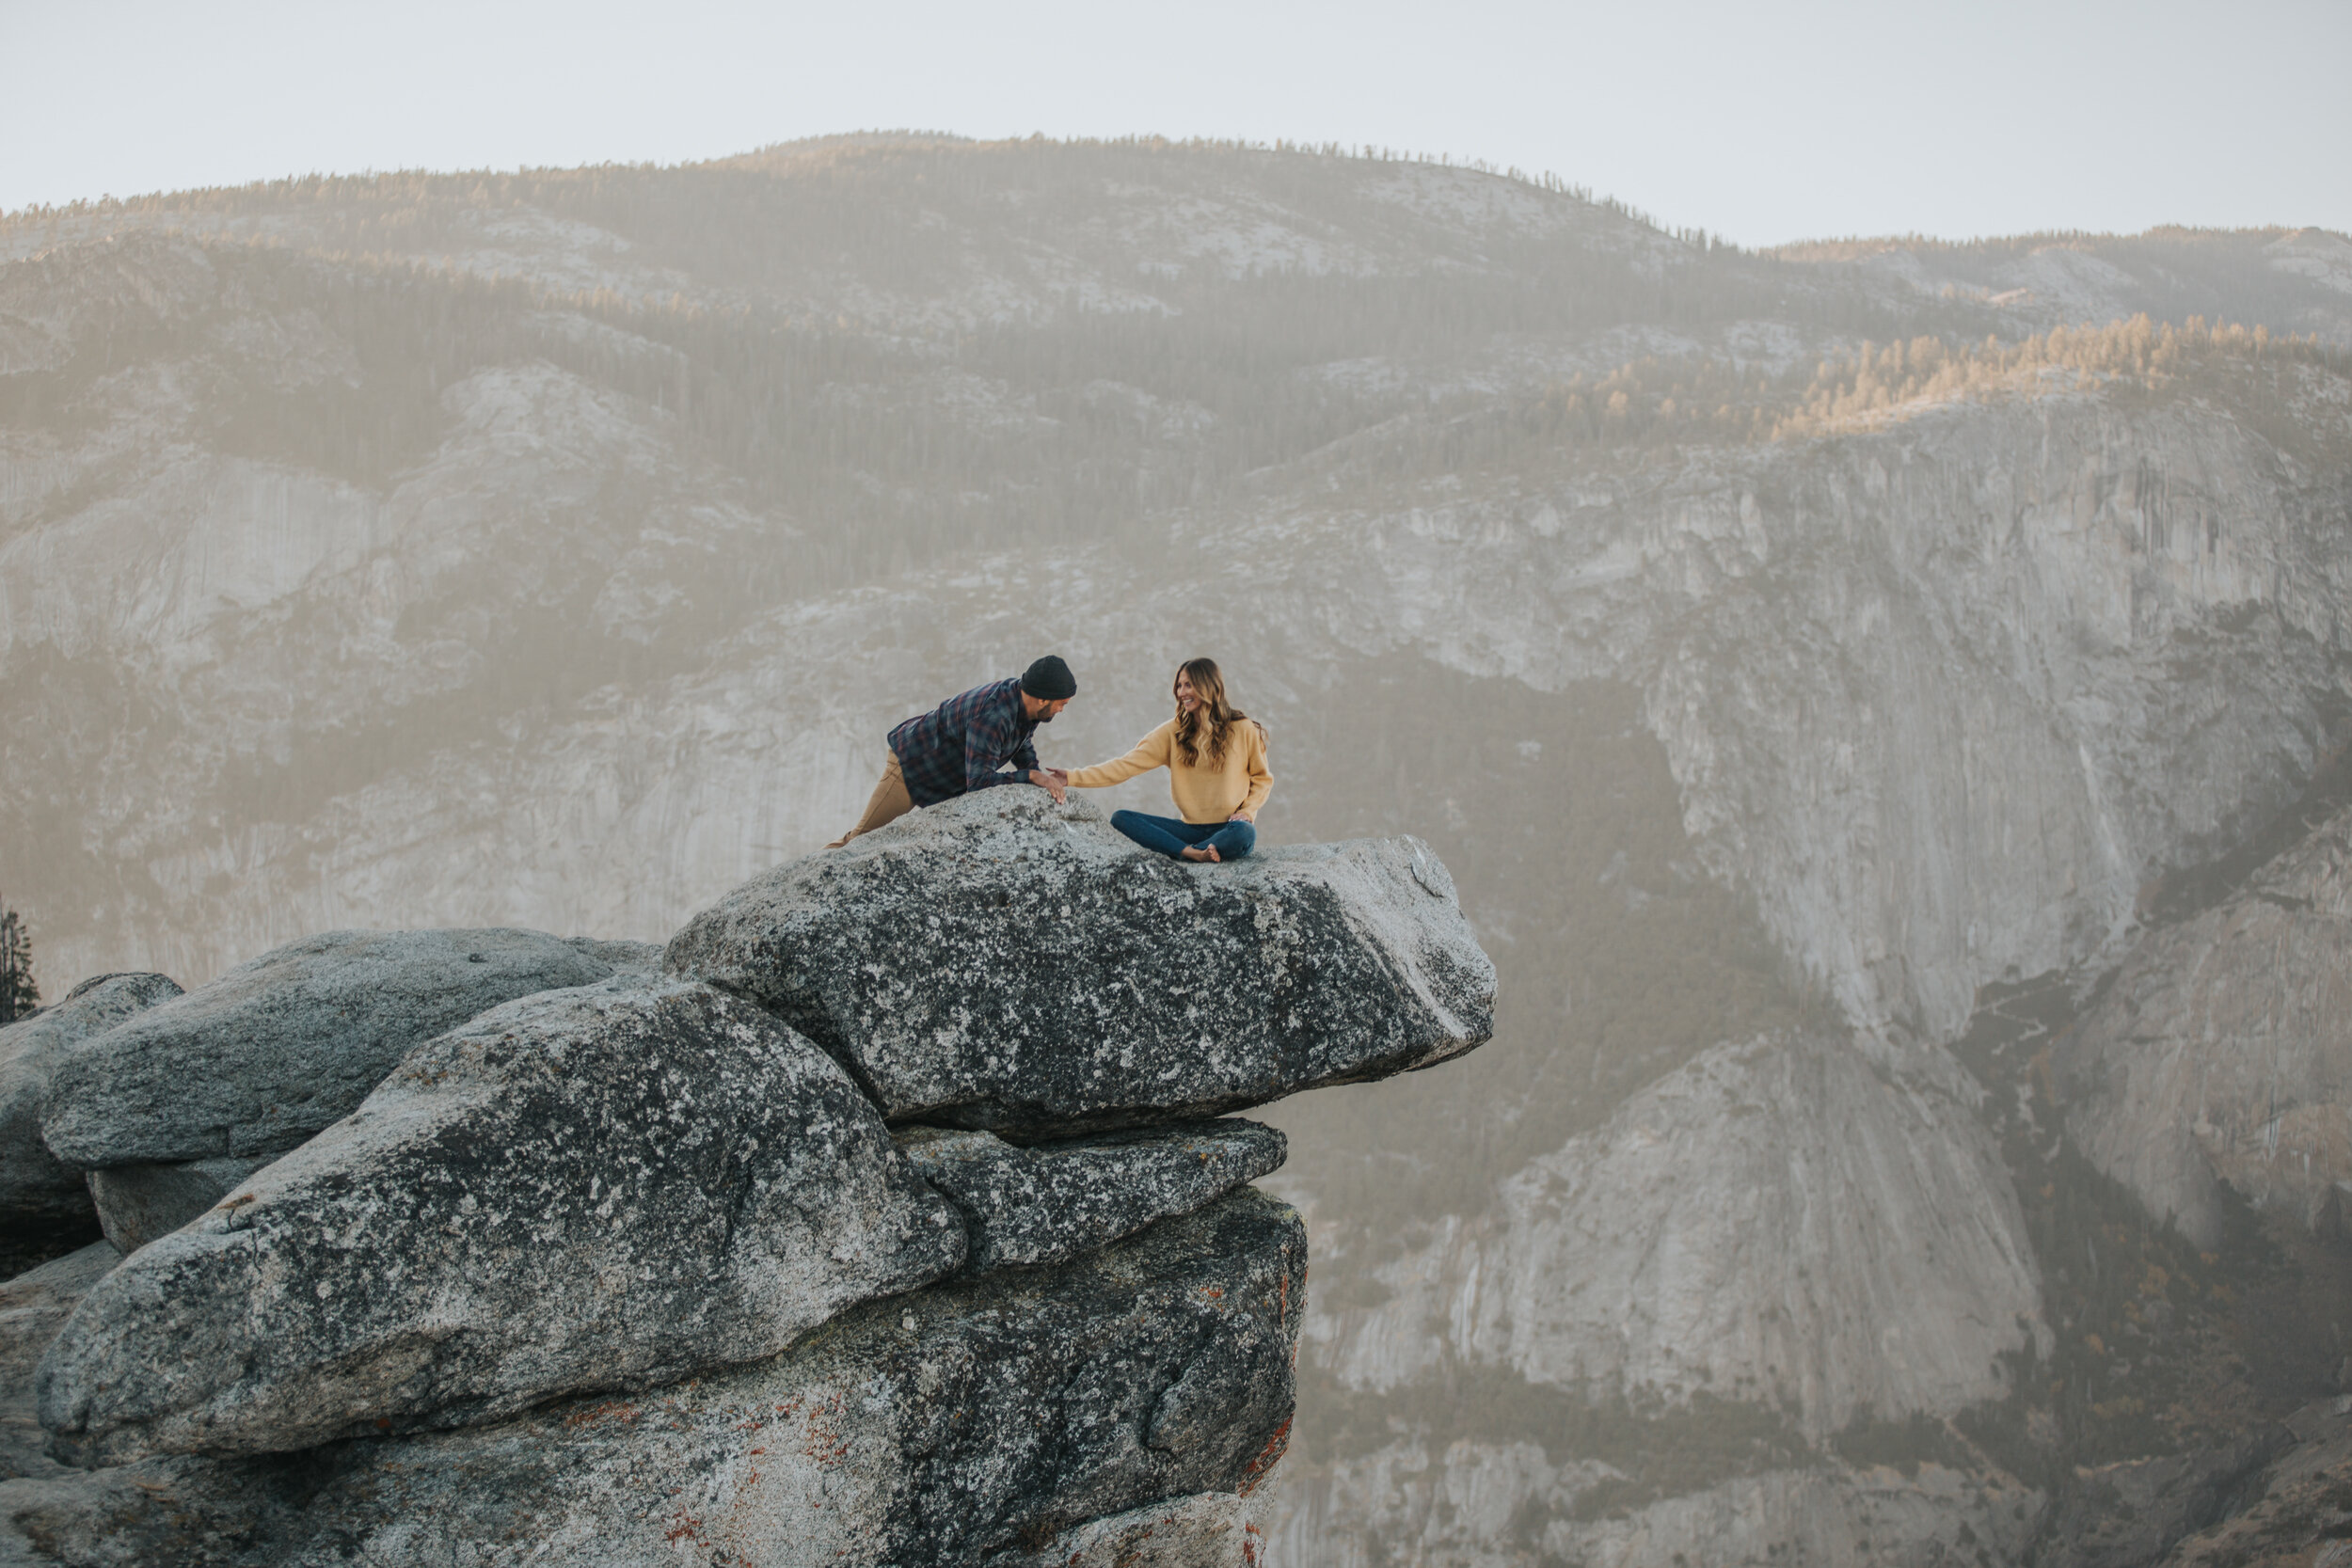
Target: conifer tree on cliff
[18,994]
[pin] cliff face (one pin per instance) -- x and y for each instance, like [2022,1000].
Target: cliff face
[1764,765]
[1944,696]
[2218,1059]
[1767,1257]
[1950,701]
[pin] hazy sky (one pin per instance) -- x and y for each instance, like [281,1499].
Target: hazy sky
[1767,120]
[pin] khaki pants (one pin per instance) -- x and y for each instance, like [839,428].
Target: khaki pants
[889,802]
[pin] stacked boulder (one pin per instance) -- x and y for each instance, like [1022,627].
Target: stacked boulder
[170,1109]
[40,1195]
[893,1215]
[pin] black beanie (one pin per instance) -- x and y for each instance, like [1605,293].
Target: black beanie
[1049,678]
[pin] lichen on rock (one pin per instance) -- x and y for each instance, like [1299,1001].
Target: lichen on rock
[138,1204]
[600,1188]
[998,961]
[275,1049]
[603,1268]
[1051,1202]
[974,1417]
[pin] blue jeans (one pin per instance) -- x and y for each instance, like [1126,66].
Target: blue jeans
[1169,836]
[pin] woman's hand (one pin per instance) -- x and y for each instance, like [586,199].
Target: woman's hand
[1242,816]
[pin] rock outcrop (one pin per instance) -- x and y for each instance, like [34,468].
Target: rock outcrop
[607,1272]
[1208,1529]
[33,1307]
[2296,1512]
[972,1419]
[636,960]
[599,1188]
[998,961]
[138,1204]
[38,1190]
[262,1058]
[2222,1052]
[2123,1515]
[1048,1203]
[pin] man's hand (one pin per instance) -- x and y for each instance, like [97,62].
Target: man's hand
[1062,773]
[1053,782]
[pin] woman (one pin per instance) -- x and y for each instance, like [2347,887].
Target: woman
[1216,761]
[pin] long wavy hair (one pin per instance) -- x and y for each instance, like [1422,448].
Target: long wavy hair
[1215,715]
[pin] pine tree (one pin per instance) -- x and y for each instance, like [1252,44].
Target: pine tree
[19,995]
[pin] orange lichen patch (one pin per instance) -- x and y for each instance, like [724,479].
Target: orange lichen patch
[1255,1471]
[819,1441]
[1211,1292]
[1252,1547]
[610,1409]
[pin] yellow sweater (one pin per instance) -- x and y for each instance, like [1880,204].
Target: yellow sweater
[1202,794]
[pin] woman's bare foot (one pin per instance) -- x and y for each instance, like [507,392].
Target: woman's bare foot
[1199,853]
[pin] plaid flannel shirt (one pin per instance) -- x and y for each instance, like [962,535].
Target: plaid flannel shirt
[960,745]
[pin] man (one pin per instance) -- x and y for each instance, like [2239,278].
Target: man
[964,743]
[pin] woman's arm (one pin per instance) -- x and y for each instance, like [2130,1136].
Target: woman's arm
[1260,781]
[1152,751]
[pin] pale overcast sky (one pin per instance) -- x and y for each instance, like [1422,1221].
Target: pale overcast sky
[1768,121]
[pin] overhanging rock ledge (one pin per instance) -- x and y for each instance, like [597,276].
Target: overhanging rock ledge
[998,961]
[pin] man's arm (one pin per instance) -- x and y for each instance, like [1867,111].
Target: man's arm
[984,757]
[1050,779]
[992,738]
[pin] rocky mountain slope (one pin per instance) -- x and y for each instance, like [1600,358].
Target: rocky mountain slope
[2213,1072]
[1790,681]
